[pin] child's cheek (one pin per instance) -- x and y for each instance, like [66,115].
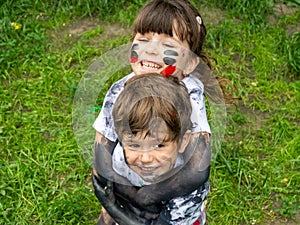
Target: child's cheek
[133,55]
[170,53]
[169,61]
[169,57]
[170,69]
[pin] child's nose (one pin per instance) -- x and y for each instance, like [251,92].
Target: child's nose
[152,48]
[146,157]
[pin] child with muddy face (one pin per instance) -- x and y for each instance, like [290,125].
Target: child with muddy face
[152,140]
[168,34]
[152,143]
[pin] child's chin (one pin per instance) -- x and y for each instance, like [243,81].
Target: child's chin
[149,178]
[143,70]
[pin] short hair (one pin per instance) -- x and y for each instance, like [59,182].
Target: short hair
[158,16]
[148,97]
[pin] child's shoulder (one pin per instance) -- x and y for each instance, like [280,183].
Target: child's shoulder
[119,84]
[192,83]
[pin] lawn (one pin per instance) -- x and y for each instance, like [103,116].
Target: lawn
[46,48]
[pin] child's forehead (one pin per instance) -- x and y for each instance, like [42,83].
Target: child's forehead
[169,26]
[159,132]
[145,136]
[159,36]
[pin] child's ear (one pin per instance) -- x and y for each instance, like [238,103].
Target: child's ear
[184,142]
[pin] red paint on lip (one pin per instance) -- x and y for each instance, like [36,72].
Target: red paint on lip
[133,60]
[168,71]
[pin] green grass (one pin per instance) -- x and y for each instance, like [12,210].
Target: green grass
[44,179]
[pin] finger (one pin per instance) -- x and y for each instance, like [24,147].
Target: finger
[143,213]
[121,215]
[99,191]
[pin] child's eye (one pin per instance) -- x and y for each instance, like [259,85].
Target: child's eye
[159,146]
[169,45]
[143,40]
[133,145]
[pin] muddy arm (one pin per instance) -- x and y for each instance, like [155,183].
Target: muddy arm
[106,176]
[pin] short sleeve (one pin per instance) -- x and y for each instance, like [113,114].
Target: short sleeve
[198,116]
[104,122]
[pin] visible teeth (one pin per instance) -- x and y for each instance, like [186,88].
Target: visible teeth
[147,168]
[151,65]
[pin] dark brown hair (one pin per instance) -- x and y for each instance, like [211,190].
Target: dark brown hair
[160,16]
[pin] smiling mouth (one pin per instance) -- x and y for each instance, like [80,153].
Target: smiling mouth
[147,170]
[150,65]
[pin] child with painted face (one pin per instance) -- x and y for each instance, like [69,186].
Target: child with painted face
[152,120]
[166,32]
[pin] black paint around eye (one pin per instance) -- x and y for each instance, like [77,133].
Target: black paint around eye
[169,61]
[171,52]
[134,47]
[134,54]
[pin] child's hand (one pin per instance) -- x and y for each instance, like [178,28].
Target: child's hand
[122,215]
[103,188]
